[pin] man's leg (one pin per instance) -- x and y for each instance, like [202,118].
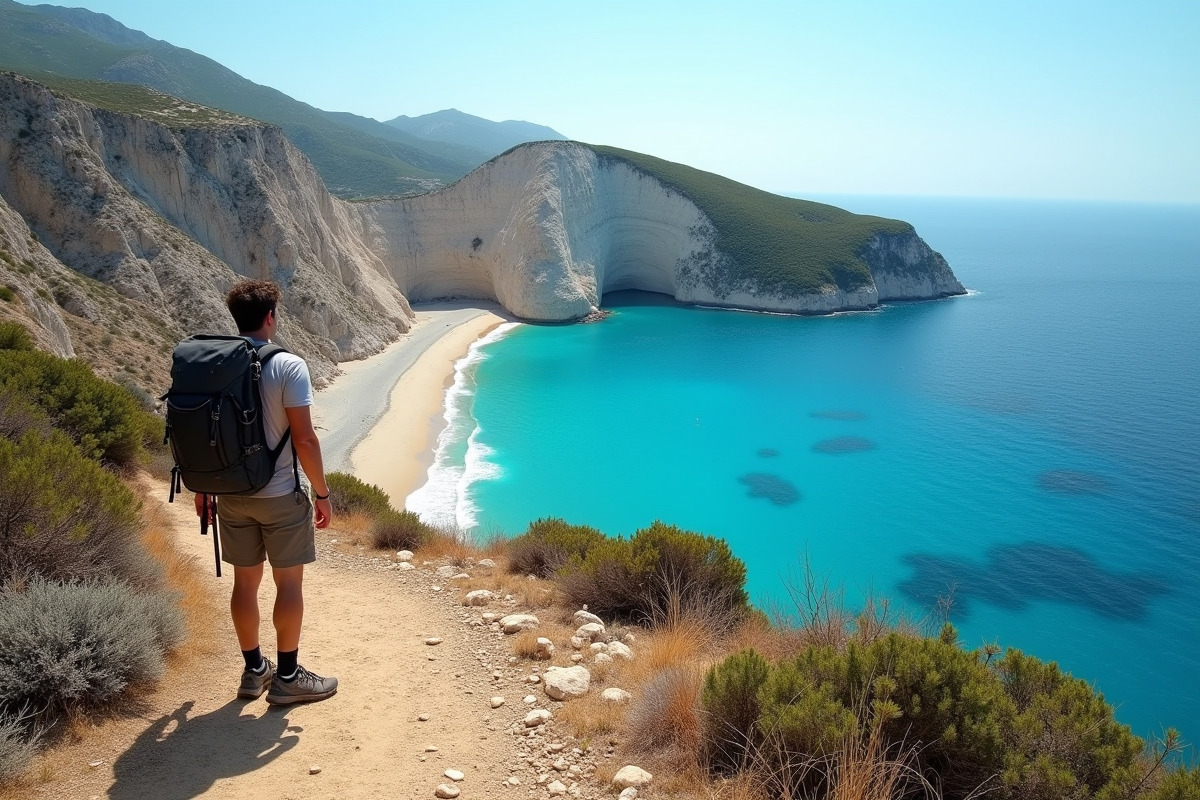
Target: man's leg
[243,604]
[289,605]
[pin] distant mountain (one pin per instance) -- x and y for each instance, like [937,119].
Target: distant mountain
[482,134]
[355,156]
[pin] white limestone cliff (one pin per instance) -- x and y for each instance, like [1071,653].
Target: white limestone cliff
[548,228]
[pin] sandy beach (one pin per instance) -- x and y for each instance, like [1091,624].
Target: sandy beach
[380,418]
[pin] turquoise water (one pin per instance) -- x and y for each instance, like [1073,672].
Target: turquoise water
[1028,450]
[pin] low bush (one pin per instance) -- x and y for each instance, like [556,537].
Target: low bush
[656,573]
[15,337]
[64,517]
[349,495]
[547,545]
[76,646]
[1178,784]
[103,418]
[730,701]
[399,530]
[1018,725]
[1063,740]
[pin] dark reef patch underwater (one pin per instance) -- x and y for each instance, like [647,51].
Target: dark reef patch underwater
[779,491]
[1014,576]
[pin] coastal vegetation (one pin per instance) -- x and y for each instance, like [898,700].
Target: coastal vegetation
[780,244]
[86,610]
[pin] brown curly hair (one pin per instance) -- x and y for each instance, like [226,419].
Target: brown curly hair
[250,301]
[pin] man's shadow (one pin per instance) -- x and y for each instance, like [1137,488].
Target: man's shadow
[178,757]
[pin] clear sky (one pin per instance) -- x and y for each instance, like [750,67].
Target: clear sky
[1084,99]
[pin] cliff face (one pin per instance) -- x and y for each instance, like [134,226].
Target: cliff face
[170,217]
[548,228]
[115,226]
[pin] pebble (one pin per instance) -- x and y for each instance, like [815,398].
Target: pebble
[454,775]
[432,640]
[431,749]
[514,781]
[539,716]
[529,699]
[404,555]
[314,770]
[94,764]
[628,793]
[556,788]
[496,701]
[448,791]
[423,718]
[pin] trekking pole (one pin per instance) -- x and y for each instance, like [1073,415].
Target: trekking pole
[204,512]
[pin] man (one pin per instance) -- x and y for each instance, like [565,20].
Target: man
[276,523]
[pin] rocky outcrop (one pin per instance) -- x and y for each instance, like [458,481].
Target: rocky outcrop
[548,228]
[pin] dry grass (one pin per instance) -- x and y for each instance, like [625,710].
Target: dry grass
[592,717]
[183,574]
[665,721]
[450,546]
[524,645]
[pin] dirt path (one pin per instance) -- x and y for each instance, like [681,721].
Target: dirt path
[366,622]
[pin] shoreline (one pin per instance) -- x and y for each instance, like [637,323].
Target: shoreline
[383,414]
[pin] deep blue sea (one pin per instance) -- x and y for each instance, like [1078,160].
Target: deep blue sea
[1029,450]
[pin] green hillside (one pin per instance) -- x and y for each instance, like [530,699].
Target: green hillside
[74,43]
[778,244]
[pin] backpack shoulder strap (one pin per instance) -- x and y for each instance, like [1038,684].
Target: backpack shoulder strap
[266,351]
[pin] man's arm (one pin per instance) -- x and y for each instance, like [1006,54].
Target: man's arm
[308,450]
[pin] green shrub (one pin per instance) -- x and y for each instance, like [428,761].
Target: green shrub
[64,517]
[1019,725]
[103,418]
[399,530]
[7,294]
[15,337]
[1063,740]
[730,703]
[1179,784]
[66,646]
[660,572]
[349,495]
[547,545]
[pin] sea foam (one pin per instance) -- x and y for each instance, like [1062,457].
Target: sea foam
[459,458]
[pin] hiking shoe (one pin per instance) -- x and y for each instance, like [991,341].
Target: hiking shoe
[255,683]
[306,687]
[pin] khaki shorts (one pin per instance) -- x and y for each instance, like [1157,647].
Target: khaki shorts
[276,528]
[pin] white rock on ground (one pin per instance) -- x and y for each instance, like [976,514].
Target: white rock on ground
[486,562]
[478,597]
[454,774]
[628,793]
[539,716]
[556,788]
[404,555]
[615,695]
[619,650]
[545,648]
[632,776]
[564,682]
[584,617]
[496,701]
[602,658]
[448,791]
[515,623]
[404,566]
[447,571]
[590,631]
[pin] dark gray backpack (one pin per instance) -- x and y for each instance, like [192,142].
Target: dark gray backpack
[215,416]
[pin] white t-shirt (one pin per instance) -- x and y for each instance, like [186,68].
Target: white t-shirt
[285,384]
